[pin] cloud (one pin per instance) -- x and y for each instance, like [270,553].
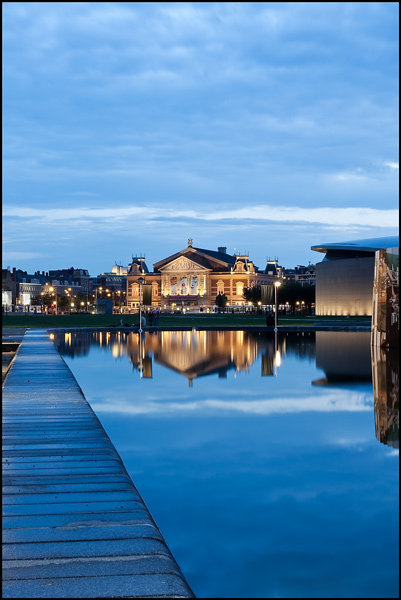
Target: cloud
[14,255]
[331,402]
[329,216]
[209,117]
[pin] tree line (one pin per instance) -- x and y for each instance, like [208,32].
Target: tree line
[292,293]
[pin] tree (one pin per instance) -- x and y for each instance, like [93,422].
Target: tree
[221,301]
[45,298]
[293,293]
[252,294]
[80,302]
[63,303]
[36,300]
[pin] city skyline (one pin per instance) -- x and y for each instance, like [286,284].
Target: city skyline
[130,127]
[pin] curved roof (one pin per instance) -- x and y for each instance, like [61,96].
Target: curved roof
[369,245]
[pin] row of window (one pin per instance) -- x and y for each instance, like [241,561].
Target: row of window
[184,290]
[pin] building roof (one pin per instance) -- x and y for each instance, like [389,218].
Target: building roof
[139,261]
[228,258]
[367,245]
[210,259]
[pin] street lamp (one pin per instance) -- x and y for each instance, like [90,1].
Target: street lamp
[52,289]
[140,281]
[276,286]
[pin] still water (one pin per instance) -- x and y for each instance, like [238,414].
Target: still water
[270,465]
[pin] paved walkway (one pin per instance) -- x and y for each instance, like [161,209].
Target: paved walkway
[74,525]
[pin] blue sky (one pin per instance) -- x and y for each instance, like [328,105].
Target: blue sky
[129,127]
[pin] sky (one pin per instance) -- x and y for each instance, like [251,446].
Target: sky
[130,127]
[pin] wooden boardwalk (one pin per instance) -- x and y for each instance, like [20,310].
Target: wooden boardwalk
[74,525]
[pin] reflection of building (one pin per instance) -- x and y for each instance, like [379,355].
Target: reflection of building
[347,359]
[344,279]
[195,354]
[195,276]
[386,299]
[385,370]
[343,356]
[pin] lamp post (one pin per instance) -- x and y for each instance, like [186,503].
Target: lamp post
[276,286]
[51,289]
[98,289]
[140,281]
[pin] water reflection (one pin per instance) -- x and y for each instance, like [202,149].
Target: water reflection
[385,374]
[193,354]
[263,486]
[346,359]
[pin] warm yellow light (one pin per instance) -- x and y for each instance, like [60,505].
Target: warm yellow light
[51,289]
[82,303]
[278,359]
[72,304]
[277,283]
[259,303]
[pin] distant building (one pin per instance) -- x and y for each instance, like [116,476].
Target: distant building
[77,277]
[195,276]
[111,285]
[25,286]
[119,270]
[344,279]
[8,286]
[301,274]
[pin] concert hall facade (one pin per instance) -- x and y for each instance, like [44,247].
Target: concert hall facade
[193,277]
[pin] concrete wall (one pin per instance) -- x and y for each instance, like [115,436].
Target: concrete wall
[345,286]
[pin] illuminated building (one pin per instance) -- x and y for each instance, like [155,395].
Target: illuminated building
[195,276]
[344,279]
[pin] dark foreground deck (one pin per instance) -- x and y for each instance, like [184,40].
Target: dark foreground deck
[74,525]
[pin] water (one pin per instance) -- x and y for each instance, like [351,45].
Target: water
[270,465]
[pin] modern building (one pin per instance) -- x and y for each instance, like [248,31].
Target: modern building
[193,277]
[344,279]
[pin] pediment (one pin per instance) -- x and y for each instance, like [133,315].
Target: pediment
[182,263]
